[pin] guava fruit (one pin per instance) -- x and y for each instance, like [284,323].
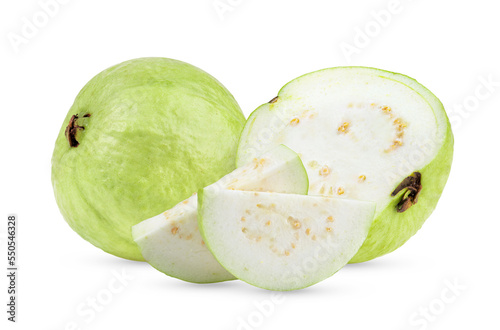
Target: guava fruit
[366,134]
[140,137]
[282,241]
[171,241]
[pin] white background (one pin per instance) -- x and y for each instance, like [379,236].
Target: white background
[254,48]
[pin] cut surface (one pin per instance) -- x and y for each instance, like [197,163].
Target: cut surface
[350,131]
[360,132]
[282,241]
[171,241]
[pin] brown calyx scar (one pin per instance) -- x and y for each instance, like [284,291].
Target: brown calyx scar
[413,186]
[274,100]
[72,129]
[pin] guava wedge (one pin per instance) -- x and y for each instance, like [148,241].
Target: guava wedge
[140,137]
[171,241]
[282,241]
[366,134]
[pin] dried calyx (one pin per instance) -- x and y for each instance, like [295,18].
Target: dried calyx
[72,129]
[413,186]
[274,100]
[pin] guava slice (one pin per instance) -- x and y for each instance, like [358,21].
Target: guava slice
[171,241]
[140,137]
[366,134]
[282,241]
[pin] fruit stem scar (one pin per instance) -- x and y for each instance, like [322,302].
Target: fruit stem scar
[72,129]
[413,186]
[274,100]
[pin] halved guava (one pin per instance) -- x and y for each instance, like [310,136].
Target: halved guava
[171,241]
[366,134]
[282,241]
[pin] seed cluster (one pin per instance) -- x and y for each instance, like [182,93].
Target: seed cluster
[324,171]
[175,230]
[295,224]
[304,115]
[329,191]
[398,123]
[258,162]
[400,131]
[344,128]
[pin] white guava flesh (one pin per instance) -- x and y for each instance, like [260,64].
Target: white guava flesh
[364,134]
[282,241]
[171,241]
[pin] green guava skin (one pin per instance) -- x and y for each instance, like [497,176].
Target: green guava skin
[390,229]
[159,130]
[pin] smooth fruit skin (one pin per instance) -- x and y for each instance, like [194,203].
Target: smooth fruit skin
[159,130]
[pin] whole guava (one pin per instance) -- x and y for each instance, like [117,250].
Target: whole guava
[140,137]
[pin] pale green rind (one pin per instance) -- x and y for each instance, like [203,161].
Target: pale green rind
[201,206]
[159,130]
[298,177]
[242,153]
[391,229]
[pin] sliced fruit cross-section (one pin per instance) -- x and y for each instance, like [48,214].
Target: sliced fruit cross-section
[282,241]
[366,134]
[171,242]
